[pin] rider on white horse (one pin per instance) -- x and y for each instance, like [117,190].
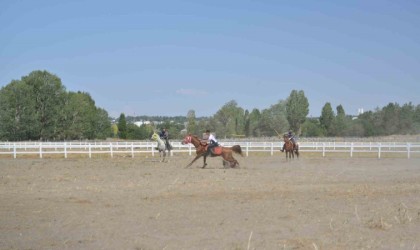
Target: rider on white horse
[164,135]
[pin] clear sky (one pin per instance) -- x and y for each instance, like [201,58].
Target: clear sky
[168,57]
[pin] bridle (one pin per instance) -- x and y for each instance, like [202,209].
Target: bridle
[187,139]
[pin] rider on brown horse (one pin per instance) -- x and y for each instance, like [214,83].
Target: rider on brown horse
[211,139]
[291,138]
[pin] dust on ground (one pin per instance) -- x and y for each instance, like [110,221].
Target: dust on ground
[268,203]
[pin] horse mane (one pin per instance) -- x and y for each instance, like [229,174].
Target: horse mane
[199,140]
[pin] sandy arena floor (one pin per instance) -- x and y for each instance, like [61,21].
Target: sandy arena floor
[268,203]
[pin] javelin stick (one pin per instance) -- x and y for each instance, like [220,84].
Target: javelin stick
[277,133]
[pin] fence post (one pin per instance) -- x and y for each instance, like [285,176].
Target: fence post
[272,145]
[379,151]
[323,149]
[132,150]
[14,150]
[189,149]
[90,151]
[110,149]
[65,150]
[247,149]
[40,150]
[351,150]
[408,150]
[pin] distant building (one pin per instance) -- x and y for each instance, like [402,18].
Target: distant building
[359,112]
[139,123]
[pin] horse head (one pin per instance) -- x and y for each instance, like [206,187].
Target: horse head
[155,136]
[187,139]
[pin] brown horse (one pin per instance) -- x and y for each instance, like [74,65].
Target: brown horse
[289,148]
[201,150]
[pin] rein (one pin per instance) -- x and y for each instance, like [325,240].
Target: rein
[195,141]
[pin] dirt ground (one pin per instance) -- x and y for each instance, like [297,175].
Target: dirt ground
[268,203]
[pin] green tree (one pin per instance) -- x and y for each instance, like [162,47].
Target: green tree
[102,124]
[297,108]
[255,123]
[312,128]
[80,116]
[49,96]
[191,126]
[274,119]
[416,120]
[406,119]
[390,118]
[38,108]
[114,128]
[137,133]
[247,125]
[341,122]
[17,120]
[231,119]
[327,118]
[355,128]
[202,126]
[122,127]
[367,122]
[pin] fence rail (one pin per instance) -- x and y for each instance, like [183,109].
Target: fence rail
[15,149]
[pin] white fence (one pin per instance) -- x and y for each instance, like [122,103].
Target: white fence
[377,149]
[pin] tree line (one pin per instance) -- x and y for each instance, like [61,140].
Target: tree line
[230,121]
[38,107]
[392,119]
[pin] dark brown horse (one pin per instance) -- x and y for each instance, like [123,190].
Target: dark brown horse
[224,152]
[290,148]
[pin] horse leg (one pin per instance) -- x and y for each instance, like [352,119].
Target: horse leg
[224,163]
[204,159]
[235,163]
[198,156]
[229,158]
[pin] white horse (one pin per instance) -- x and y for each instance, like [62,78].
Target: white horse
[161,146]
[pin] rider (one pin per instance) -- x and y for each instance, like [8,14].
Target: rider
[211,139]
[292,138]
[164,135]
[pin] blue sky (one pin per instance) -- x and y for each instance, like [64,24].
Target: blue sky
[168,57]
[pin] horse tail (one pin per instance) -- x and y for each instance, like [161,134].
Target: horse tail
[237,149]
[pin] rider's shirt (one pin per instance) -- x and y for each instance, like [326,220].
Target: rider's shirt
[212,139]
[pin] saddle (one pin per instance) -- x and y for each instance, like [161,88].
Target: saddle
[216,151]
